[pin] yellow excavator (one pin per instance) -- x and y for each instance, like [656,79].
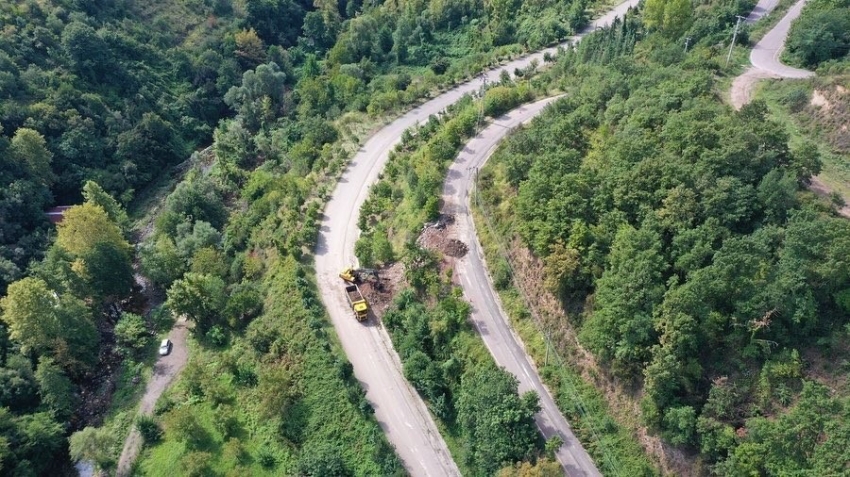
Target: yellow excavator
[358,275]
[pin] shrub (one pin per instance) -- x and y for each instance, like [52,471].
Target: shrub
[149,429]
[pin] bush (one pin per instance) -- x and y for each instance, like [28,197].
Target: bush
[131,334]
[149,429]
[267,458]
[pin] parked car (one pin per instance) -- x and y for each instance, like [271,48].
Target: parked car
[165,347]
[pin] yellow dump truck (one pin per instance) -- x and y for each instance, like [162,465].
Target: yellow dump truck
[357,302]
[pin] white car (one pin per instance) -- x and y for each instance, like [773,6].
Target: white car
[165,347]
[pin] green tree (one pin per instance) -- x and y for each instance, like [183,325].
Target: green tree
[200,297]
[55,389]
[29,149]
[108,271]
[260,98]
[498,423]
[161,261]
[183,425]
[89,55]
[95,445]
[86,225]
[47,323]
[131,334]
[18,386]
[820,34]
[39,439]
[320,460]
[209,261]
[95,194]
[673,17]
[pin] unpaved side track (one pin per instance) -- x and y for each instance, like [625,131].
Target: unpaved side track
[164,371]
[487,313]
[399,410]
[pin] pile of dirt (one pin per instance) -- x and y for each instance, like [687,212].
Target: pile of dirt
[380,292]
[455,248]
[435,236]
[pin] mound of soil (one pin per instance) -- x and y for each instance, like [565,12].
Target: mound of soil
[455,248]
[435,236]
[379,293]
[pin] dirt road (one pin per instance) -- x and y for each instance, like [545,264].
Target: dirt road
[164,371]
[400,411]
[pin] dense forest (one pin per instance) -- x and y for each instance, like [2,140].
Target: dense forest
[703,274]
[99,100]
[696,267]
[117,91]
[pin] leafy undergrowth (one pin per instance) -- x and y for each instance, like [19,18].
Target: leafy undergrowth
[281,399]
[818,111]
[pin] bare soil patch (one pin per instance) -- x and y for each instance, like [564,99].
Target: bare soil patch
[439,237]
[818,99]
[380,293]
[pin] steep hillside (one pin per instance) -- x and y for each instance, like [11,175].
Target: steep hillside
[705,287]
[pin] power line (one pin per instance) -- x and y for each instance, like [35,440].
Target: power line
[571,390]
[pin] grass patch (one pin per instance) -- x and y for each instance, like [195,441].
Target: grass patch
[789,104]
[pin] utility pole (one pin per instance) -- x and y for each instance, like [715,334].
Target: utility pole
[481,94]
[687,42]
[734,37]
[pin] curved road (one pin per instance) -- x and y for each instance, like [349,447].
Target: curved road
[766,64]
[765,55]
[487,313]
[399,410]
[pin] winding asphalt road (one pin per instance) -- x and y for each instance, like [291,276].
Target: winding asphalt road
[399,410]
[765,55]
[487,313]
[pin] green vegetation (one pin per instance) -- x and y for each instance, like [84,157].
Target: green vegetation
[50,334]
[701,270]
[612,444]
[820,34]
[276,399]
[797,106]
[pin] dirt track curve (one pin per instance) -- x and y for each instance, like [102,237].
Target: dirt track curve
[399,410]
